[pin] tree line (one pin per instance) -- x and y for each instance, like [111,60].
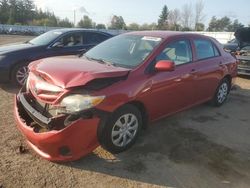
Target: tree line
[188,18]
[24,12]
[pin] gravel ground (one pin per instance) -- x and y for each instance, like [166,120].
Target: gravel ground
[200,147]
[5,39]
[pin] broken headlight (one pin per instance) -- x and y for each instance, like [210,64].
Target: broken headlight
[76,102]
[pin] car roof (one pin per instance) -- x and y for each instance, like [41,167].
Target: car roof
[165,34]
[66,30]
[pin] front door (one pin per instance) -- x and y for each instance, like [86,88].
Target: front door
[173,91]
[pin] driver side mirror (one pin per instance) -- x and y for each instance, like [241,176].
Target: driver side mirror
[164,66]
[57,45]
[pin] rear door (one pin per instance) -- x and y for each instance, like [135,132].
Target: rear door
[209,69]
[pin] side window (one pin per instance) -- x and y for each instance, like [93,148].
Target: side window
[73,39]
[205,49]
[178,52]
[95,38]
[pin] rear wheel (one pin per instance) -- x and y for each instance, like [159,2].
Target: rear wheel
[121,130]
[221,93]
[19,74]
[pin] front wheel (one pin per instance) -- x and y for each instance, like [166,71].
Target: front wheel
[221,93]
[121,131]
[19,74]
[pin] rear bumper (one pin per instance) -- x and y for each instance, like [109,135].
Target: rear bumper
[70,143]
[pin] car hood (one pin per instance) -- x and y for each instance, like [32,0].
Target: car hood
[231,45]
[67,72]
[15,47]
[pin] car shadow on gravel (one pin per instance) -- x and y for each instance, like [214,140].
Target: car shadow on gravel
[244,76]
[164,149]
[9,88]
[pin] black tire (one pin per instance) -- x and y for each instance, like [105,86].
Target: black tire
[108,140]
[221,93]
[15,74]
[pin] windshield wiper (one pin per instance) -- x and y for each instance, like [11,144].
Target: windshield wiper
[105,62]
[102,61]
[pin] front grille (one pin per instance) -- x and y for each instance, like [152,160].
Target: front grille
[39,106]
[36,115]
[44,108]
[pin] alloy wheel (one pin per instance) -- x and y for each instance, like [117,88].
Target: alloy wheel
[22,74]
[222,92]
[124,130]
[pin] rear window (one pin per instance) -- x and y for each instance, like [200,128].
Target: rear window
[95,38]
[205,49]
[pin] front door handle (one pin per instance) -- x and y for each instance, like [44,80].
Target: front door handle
[177,79]
[192,71]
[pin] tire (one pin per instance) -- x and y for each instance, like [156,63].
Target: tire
[19,74]
[221,93]
[115,135]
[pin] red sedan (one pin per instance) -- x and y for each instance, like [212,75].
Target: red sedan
[71,105]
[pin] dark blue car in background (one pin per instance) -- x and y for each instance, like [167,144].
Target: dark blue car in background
[15,58]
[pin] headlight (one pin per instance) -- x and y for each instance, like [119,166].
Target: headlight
[77,102]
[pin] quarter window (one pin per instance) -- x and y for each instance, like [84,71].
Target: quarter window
[179,52]
[216,51]
[205,49]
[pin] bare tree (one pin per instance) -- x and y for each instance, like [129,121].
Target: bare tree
[187,16]
[199,15]
[174,18]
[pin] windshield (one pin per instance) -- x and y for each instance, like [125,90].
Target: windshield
[45,38]
[124,50]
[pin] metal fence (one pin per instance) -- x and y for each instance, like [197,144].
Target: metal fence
[37,30]
[222,37]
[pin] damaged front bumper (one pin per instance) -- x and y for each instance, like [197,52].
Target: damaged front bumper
[58,144]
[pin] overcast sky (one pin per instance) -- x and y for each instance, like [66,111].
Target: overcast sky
[141,11]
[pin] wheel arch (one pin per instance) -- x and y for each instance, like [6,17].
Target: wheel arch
[229,78]
[19,62]
[141,107]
